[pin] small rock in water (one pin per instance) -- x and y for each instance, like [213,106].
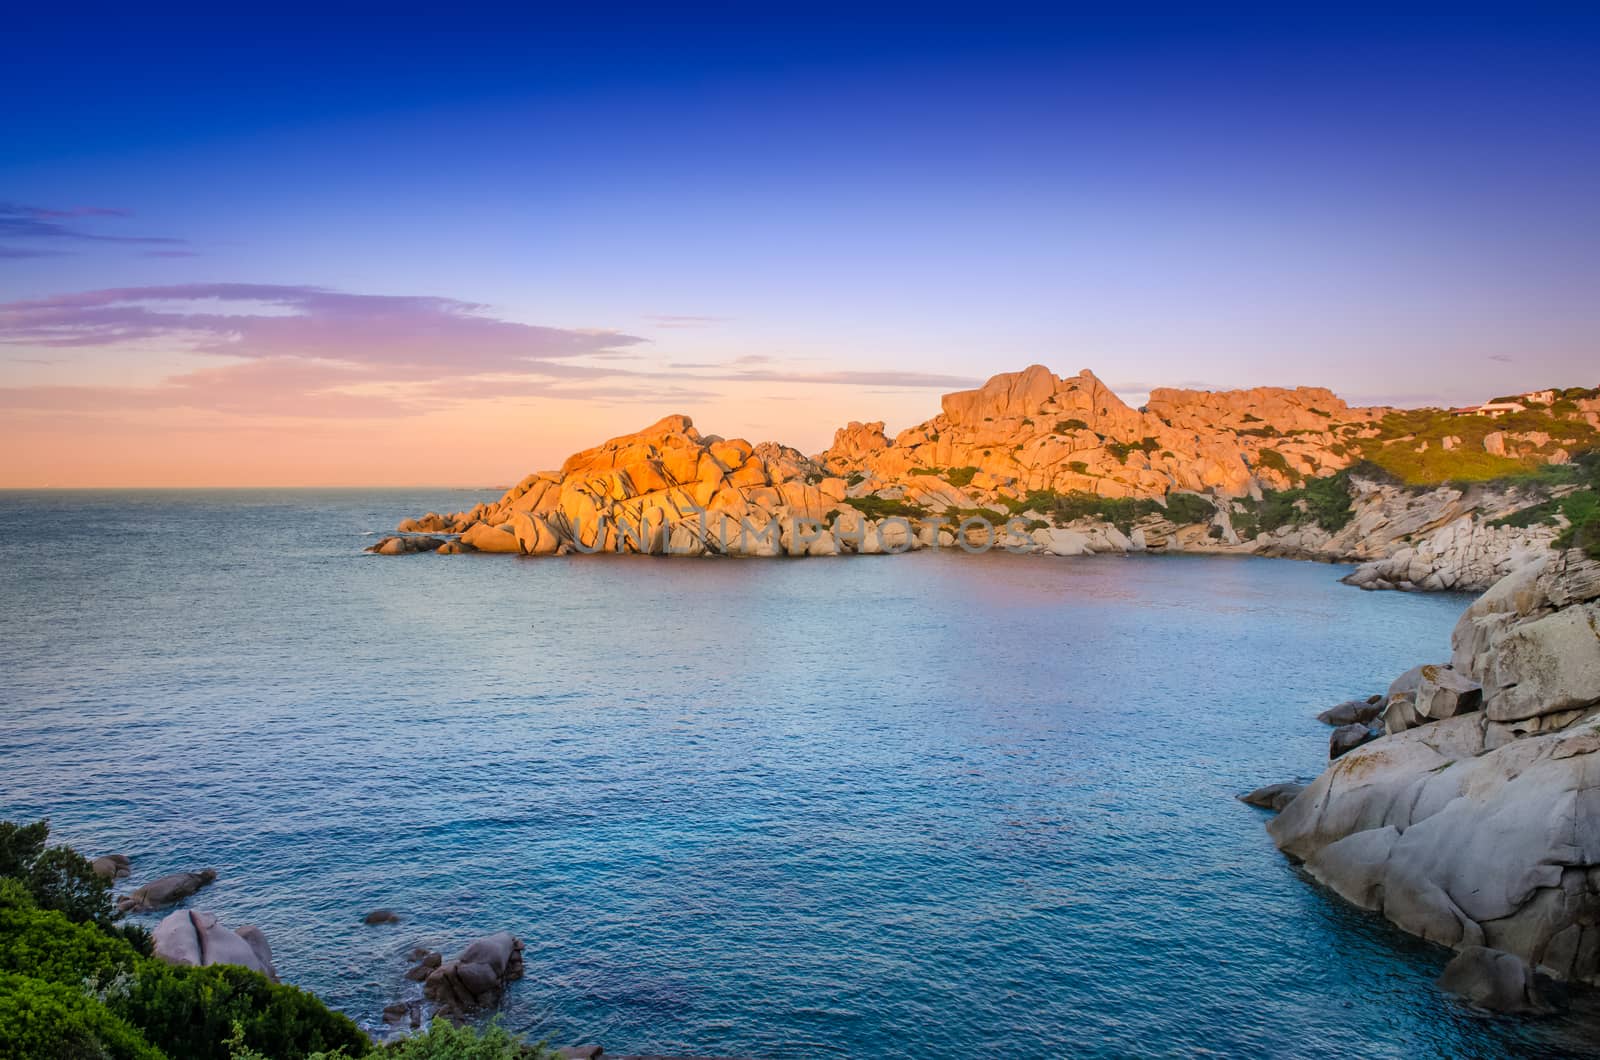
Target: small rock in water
[381,916]
[1347,738]
[425,965]
[580,1052]
[1351,712]
[111,866]
[1274,796]
[167,890]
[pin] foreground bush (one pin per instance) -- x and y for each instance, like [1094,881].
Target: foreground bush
[56,878]
[73,985]
[442,1041]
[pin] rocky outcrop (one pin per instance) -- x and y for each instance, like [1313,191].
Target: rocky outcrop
[852,444]
[112,866]
[1477,822]
[168,890]
[1424,540]
[476,979]
[1023,453]
[195,938]
[404,545]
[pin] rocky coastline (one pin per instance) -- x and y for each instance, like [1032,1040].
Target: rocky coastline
[1464,804]
[1038,464]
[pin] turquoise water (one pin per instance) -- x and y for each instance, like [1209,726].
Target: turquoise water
[924,805]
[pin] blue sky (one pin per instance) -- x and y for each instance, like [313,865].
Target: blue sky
[780,224]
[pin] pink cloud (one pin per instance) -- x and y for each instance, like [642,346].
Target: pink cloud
[310,322]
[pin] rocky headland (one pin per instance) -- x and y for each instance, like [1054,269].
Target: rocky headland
[1423,499]
[1465,804]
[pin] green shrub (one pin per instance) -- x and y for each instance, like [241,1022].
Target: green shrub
[1324,501]
[1079,466]
[1276,461]
[1063,508]
[1120,450]
[961,477]
[882,507]
[442,1041]
[190,1012]
[56,877]
[1185,508]
[1065,426]
[41,1020]
[44,944]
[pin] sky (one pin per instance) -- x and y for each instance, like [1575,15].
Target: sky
[449,250]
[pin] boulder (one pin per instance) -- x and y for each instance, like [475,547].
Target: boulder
[405,546]
[1443,693]
[1347,738]
[477,977]
[1492,979]
[1274,796]
[1400,713]
[1546,666]
[427,961]
[485,538]
[1464,843]
[111,866]
[168,890]
[381,916]
[1352,712]
[195,938]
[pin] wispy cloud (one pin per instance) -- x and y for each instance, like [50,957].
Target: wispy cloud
[28,252]
[880,377]
[39,223]
[680,320]
[304,351]
[259,321]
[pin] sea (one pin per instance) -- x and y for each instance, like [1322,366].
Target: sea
[931,805]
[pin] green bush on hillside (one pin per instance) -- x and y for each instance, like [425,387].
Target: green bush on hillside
[1276,461]
[1580,509]
[874,507]
[41,1020]
[961,477]
[1186,508]
[1325,501]
[56,877]
[1121,450]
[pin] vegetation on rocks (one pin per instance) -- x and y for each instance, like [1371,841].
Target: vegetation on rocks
[1410,444]
[961,477]
[1121,512]
[882,508]
[1578,509]
[1324,501]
